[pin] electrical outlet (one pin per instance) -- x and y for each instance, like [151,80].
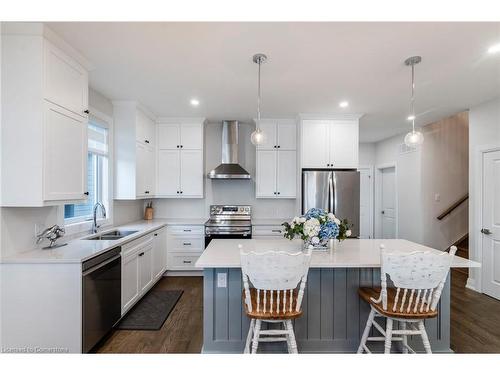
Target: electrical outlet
[437,197]
[222,280]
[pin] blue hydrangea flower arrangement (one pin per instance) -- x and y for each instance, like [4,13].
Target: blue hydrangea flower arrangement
[317,227]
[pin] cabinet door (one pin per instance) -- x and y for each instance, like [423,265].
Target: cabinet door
[149,165]
[344,144]
[191,136]
[130,280]
[145,269]
[140,169]
[314,148]
[159,258]
[268,127]
[169,136]
[191,173]
[169,172]
[65,154]
[287,174]
[266,174]
[66,81]
[145,129]
[287,136]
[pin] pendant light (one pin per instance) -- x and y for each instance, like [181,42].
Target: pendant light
[413,138]
[258,136]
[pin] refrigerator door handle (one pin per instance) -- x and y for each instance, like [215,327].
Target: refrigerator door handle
[331,193]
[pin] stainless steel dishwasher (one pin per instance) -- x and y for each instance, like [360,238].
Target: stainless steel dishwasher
[101,292]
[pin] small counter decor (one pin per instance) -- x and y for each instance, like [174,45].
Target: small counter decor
[148,212]
[316,228]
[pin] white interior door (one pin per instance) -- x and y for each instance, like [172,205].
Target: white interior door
[388,202]
[366,203]
[491,224]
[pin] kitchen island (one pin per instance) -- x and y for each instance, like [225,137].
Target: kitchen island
[334,316]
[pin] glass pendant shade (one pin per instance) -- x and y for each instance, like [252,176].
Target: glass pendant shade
[414,138]
[258,137]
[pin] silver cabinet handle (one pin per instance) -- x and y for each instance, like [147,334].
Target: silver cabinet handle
[485,231]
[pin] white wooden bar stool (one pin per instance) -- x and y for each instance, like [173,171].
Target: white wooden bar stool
[274,295]
[418,279]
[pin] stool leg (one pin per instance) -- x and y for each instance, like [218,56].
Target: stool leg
[249,336]
[366,332]
[256,334]
[388,336]
[425,338]
[405,338]
[291,337]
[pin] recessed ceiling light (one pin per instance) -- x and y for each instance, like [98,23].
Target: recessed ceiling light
[195,102]
[411,118]
[494,49]
[344,104]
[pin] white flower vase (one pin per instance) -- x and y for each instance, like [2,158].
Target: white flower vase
[323,244]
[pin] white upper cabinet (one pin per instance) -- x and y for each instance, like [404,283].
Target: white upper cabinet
[276,165]
[44,121]
[135,151]
[66,81]
[185,136]
[180,158]
[331,143]
[279,134]
[65,161]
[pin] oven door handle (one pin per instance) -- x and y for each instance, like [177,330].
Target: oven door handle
[229,232]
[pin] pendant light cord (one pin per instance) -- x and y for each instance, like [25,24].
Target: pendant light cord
[258,96]
[412,100]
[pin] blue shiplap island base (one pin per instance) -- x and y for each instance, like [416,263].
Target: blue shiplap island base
[333,320]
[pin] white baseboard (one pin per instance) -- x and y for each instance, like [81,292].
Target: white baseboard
[471,284]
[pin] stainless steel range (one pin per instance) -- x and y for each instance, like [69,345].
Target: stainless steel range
[228,222]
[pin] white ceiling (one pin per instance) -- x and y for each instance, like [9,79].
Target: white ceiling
[311,67]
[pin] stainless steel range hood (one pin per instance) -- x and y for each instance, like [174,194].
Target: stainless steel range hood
[229,169]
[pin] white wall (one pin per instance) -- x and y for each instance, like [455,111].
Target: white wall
[18,225]
[226,191]
[366,154]
[484,131]
[408,172]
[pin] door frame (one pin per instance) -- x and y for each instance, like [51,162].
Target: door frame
[475,279]
[378,197]
[371,168]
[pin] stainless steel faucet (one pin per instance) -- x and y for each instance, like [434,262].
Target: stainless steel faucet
[95,227]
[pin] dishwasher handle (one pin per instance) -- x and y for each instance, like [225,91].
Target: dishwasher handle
[100,265]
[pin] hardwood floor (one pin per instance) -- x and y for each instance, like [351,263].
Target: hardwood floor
[182,332]
[475,319]
[475,322]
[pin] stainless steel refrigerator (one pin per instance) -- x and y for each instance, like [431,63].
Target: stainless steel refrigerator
[335,191]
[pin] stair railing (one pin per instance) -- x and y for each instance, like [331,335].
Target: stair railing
[450,209]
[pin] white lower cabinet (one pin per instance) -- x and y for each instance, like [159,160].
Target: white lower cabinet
[263,232]
[185,245]
[144,261]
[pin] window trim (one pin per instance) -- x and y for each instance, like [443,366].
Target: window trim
[81,226]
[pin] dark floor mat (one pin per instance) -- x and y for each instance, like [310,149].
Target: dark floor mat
[151,312]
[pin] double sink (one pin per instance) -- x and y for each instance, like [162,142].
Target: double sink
[112,235]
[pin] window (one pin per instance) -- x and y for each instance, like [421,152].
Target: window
[97,174]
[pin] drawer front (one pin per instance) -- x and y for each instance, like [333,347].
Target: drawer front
[185,244]
[133,245]
[182,261]
[186,229]
[267,230]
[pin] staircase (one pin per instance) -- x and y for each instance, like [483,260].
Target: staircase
[463,251]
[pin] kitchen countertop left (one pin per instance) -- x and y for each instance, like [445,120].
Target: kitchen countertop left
[79,250]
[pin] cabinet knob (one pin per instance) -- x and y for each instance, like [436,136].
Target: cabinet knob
[177,146]
[86,193]
[274,146]
[86,111]
[274,193]
[279,146]
[141,254]
[146,141]
[181,191]
[177,191]
[182,146]
[278,193]
[156,234]
[146,192]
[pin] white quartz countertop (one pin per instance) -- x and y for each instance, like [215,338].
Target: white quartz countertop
[351,253]
[270,221]
[79,250]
